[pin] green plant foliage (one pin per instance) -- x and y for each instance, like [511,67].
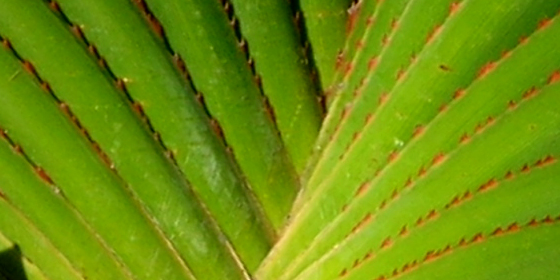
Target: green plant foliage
[207,139]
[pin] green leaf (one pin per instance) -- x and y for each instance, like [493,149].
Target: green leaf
[200,32]
[170,106]
[184,139]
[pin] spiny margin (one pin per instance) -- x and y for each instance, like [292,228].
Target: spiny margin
[518,151]
[378,67]
[324,211]
[528,248]
[237,104]
[327,24]
[28,188]
[466,214]
[270,34]
[105,103]
[78,166]
[175,117]
[467,110]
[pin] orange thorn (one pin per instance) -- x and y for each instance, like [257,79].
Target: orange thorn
[489,185]
[356,136]
[412,59]
[509,175]
[459,93]
[400,74]
[532,223]
[6,44]
[525,169]
[385,40]
[157,137]
[339,60]
[383,98]
[46,87]
[138,108]
[395,194]
[353,12]
[157,28]
[372,63]
[346,111]
[431,215]
[418,131]
[511,105]
[408,182]
[453,202]
[464,139]
[555,77]
[478,128]
[403,231]
[477,238]
[454,8]
[93,51]
[383,204]
[367,256]
[438,159]
[386,243]
[360,45]
[29,68]
[544,23]
[366,219]
[362,189]
[548,160]
[370,21]
[506,54]
[392,156]
[430,255]
[548,220]
[348,69]
[498,231]
[433,34]
[530,93]
[486,69]
[43,175]
[356,263]
[405,268]
[217,128]
[421,172]
[54,6]
[369,118]
[18,149]
[77,31]
[413,264]
[513,227]
[394,24]
[119,83]
[102,63]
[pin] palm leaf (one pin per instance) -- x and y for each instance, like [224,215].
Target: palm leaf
[192,139]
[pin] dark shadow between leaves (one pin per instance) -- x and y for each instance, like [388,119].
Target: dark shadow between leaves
[11,264]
